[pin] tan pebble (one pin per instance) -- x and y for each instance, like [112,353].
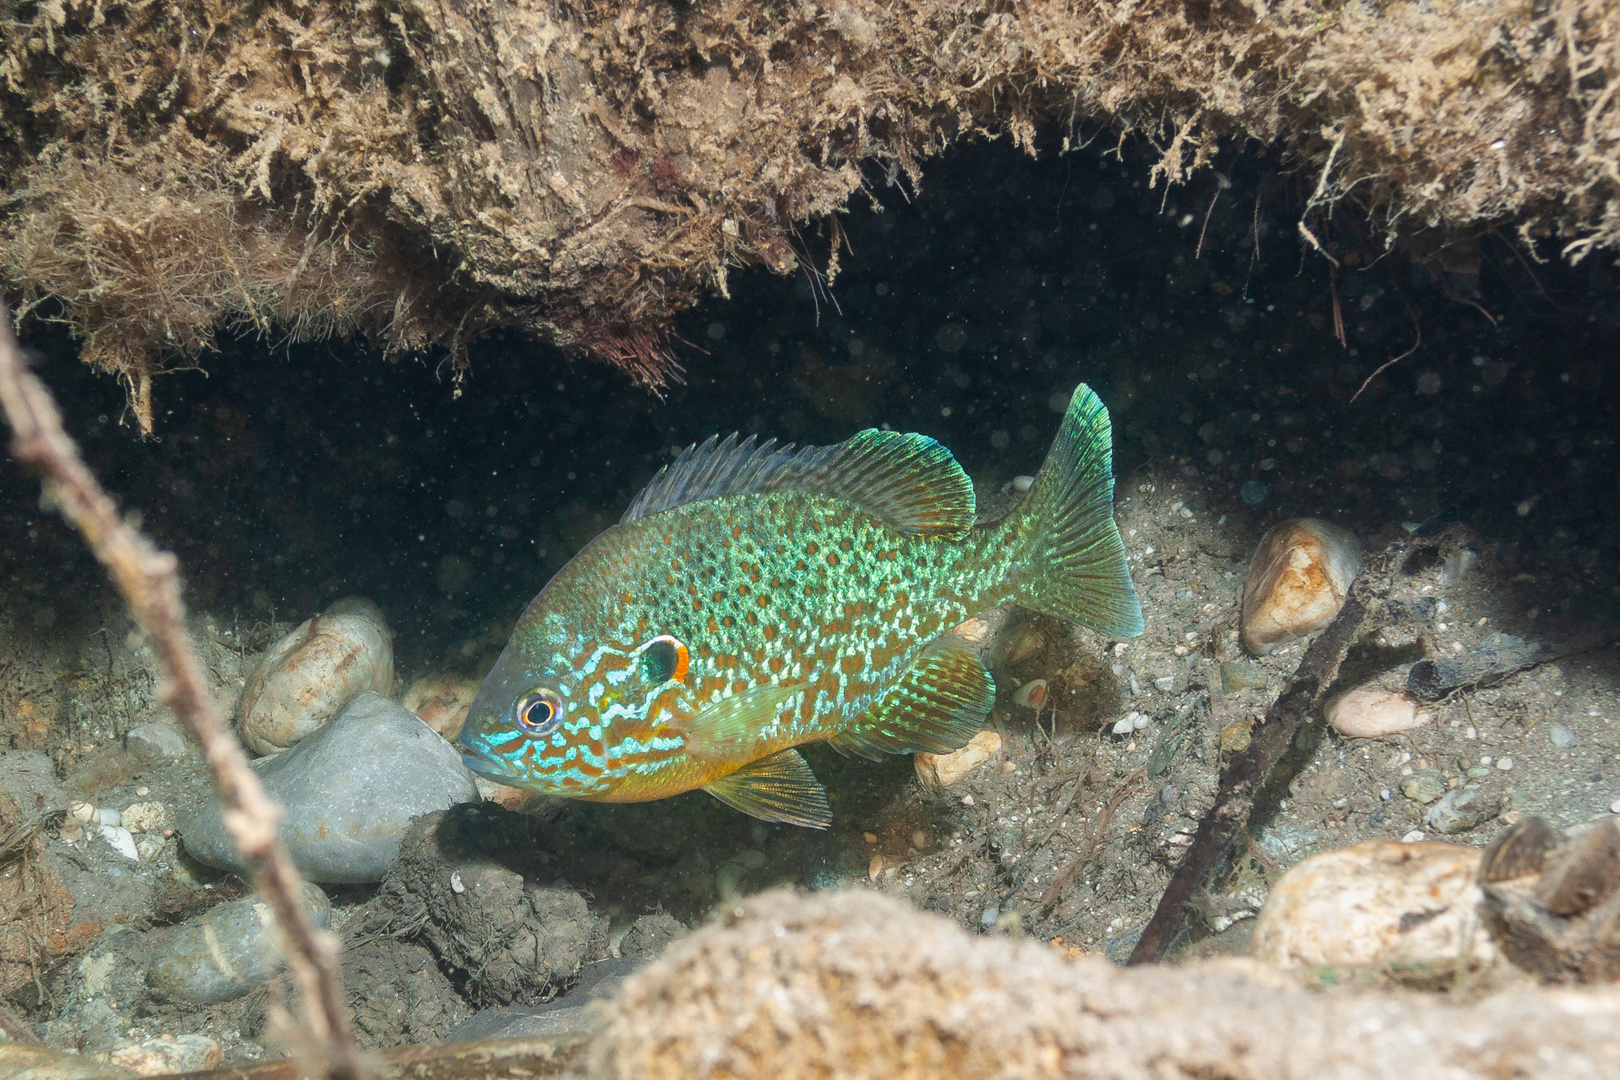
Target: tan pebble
[509,797]
[870,838]
[1028,644]
[1298,580]
[82,812]
[145,817]
[974,631]
[943,770]
[441,702]
[919,839]
[1370,711]
[1379,902]
[166,1054]
[1032,695]
[309,675]
[874,869]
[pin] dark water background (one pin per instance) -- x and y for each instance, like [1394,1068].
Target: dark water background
[288,477]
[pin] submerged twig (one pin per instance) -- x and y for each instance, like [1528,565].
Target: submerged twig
[1209,856]
[1054,892]
[149,581]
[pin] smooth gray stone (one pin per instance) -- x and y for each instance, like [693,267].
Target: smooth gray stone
[349,792]
[565,1015]
[159,741]
[223,954]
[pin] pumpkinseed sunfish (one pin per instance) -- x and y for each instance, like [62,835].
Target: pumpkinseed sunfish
[756,597]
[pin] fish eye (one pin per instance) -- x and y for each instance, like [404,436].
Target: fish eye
[664,659]
[539,711]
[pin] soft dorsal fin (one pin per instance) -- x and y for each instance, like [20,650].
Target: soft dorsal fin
[936,706]
[909,481]
[776,788]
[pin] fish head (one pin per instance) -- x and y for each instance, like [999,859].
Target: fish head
[568,710]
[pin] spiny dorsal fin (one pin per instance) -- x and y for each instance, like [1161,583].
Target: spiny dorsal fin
[776,788]
[909,481]
[937,706]
[728,729]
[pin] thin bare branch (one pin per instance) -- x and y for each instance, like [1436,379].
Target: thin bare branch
[149,581]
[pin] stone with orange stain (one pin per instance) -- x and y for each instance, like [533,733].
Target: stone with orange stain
[309,675]
[1298,581]
[441,702]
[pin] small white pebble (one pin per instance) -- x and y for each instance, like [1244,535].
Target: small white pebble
[967,800]
[1505,764]
[1023,483]
[1412,837]
[456,885]
[143,791]
[1124,725]
[107,815]
[1384,794]
[1614,807]
[1140,721]
[121,841]
[1470,732]
[1484,759]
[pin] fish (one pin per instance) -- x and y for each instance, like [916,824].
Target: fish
[754,598]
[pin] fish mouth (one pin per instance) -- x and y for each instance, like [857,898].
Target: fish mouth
[483,763]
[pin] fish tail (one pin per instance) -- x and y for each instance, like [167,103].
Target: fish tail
[1071,560]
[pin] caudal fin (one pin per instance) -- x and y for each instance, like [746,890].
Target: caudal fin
[1072,562]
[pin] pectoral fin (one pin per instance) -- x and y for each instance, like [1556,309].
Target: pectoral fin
[728,729]
[776,788]
[937,706]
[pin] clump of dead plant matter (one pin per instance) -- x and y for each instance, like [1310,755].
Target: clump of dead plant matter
[421,173]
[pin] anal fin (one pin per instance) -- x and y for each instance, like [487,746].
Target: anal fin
[938,705]
[780,787]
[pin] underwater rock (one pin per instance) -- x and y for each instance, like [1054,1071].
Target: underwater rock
[650,935]
[565,1016]
[1298,581]
[224,953]
[516,937]
[1423,786]
[309,675]
[151,744]
[1553,903]
[943,770]
[22,1062]
[1032,695]
[397,994]
[143,817]
[849,983]
[1379,902]
[441,702]
[349,792]
[1462,809]
[165,1054]
[1368,712]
